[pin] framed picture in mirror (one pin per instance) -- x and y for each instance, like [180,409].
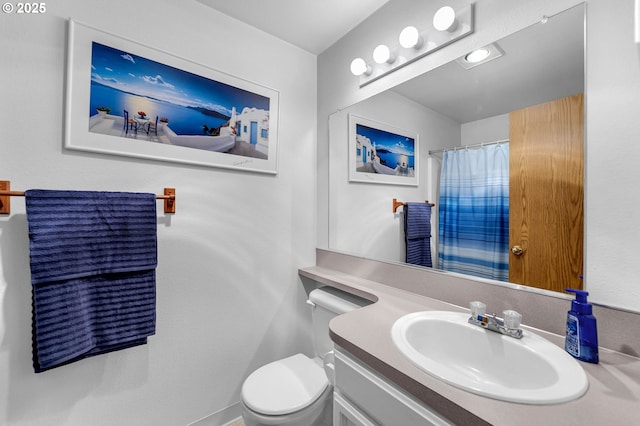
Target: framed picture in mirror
[382,153]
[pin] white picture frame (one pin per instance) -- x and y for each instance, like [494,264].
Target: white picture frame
[187,90]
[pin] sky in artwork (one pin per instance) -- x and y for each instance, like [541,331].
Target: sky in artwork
[135,74]
[392,142]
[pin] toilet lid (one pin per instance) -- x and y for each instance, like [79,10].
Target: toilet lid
[284,386]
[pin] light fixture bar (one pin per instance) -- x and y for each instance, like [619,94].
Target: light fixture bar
[430,41]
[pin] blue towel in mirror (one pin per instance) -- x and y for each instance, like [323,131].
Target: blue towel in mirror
[93,257]
[417,229]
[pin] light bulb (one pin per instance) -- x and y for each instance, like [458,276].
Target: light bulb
[359,67]
[445,19]
[478,55]
[410,37]
[382,54]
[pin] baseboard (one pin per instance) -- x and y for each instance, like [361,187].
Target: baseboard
[222,417]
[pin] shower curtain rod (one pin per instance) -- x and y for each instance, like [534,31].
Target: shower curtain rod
[475,145]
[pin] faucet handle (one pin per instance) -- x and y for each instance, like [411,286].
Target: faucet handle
[477,308]
[511,319]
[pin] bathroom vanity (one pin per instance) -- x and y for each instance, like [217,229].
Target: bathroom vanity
[360,395]
[377,385]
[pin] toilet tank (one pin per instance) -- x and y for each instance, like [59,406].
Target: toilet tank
[329,302]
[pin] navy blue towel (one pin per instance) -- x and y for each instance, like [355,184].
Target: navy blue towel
[93,257]
[417,229]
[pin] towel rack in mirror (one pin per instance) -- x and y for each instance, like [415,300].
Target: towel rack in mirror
[397,204]
[169,197]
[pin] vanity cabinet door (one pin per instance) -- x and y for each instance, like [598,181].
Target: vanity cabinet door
[345,414]
[377,400]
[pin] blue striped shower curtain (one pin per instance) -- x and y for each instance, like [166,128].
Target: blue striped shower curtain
[474,212]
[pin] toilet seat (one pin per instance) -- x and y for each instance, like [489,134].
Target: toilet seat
[284,386]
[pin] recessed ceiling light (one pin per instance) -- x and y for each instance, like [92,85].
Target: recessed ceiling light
[480,56]
[477,55]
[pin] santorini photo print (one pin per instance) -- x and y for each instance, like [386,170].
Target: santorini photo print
[381,153]
[134,97]
[129,99]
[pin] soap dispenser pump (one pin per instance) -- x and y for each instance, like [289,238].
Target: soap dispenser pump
[582,333]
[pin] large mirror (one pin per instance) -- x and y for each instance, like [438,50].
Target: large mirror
[450,106]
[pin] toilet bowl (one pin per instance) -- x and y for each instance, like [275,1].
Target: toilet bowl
[290,391]
[298,390]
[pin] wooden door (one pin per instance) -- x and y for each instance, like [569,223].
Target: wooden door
[546,193]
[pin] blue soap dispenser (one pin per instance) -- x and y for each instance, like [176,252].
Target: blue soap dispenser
[582,332]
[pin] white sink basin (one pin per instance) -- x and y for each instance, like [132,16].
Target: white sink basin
[531,370]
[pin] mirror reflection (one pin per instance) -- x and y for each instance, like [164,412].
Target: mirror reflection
[524,107]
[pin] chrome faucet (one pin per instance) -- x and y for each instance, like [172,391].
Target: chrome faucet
[509,325]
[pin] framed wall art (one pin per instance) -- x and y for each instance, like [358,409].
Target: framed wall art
[128,99]
[381,153]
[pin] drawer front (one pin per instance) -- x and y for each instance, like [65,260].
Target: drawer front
[345,414]
[379,399]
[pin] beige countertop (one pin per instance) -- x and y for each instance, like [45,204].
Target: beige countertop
[613,396]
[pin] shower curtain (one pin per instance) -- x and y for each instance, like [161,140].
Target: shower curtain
[474,212]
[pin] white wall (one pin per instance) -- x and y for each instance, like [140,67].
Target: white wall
[229,296]
[486,130]
[612,110]
[361,215]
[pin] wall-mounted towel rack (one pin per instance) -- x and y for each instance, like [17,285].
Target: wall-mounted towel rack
[397,204]
[169,198]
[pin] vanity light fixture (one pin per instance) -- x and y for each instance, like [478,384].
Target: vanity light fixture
[359,67]
[480,56]
[382,54]
[410,38]
[445,19]
[448,26]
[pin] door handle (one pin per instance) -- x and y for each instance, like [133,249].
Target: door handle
[517,250]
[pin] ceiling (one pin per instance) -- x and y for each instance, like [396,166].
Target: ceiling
[312,25]
[540,63]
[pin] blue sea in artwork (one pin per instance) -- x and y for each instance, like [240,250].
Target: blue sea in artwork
[182,120]
[391,159]
[124,81]
[390,147]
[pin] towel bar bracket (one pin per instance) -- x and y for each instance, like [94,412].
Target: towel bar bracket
[169,198]
[5,200]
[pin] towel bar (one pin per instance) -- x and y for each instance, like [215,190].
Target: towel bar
[397,204]
[169,198]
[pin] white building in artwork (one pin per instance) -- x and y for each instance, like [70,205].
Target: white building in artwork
[365,151]
[252,126]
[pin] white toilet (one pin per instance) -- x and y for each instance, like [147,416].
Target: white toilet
[297,390]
